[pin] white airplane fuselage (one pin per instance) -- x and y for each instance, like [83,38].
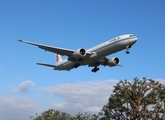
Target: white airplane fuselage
[109,47]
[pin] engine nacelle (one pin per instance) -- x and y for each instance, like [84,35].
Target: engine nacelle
[79,53]
[113,62]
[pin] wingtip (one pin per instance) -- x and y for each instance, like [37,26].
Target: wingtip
[38,63]
[20,40]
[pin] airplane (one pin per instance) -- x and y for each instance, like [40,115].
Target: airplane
[92,57]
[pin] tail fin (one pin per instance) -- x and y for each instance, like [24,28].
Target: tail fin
[58,59]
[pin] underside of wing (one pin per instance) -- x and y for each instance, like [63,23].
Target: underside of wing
[57,50]
[101,61]
[106,62]
[73,55]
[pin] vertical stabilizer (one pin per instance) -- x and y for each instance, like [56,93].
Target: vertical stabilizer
[58,59]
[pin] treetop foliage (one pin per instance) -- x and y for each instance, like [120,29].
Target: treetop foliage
[131,100]
[140,99]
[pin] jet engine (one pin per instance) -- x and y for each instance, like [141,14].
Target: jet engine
[79,53]
[113,62]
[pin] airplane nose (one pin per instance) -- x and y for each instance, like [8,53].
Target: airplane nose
[133,41]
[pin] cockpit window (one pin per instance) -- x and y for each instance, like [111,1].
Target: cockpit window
[131,35]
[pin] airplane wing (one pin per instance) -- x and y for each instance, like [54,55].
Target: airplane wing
[57,50]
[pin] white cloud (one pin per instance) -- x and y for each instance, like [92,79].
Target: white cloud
[162,81]
[82,97]
[76,97]
[24,86]
[13,108]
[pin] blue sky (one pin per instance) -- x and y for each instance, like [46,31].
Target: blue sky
[74,24]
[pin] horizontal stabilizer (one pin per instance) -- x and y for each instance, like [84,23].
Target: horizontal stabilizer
[48,65]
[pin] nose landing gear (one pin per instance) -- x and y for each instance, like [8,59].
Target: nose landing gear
[127,51]
[128,47]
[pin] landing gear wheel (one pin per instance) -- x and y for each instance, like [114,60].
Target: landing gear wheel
[95,69]
[127,52]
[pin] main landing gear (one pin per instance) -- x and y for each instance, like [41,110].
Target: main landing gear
[128,47]
[95,69]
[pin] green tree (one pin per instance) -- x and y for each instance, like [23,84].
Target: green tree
[53,115]
[57,115]
[86,116]
[138,100]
